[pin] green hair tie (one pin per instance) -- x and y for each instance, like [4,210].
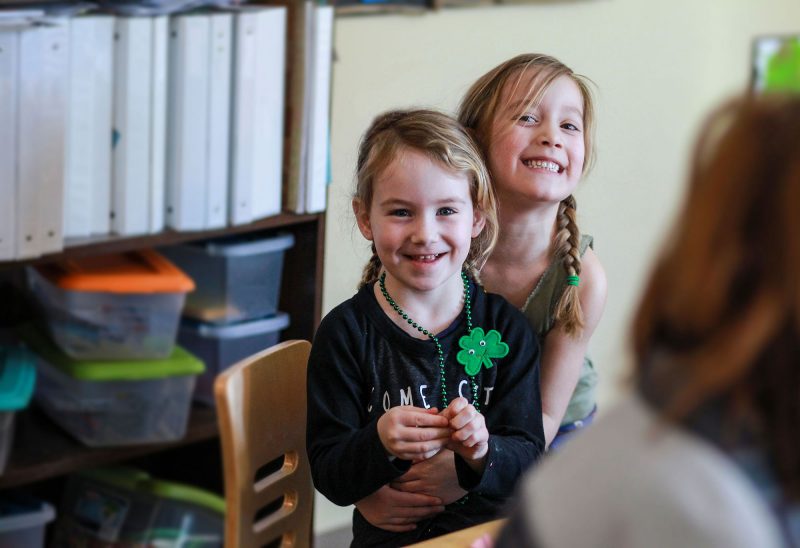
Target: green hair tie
[574,280]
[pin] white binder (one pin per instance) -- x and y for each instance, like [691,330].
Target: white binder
[158,124]
[219,108]
[242,122]
[187,180]
[88,165]
[54,74]
[132,125]
[9,83]
[318,152]
[258,105]
[41,136]
[269,113]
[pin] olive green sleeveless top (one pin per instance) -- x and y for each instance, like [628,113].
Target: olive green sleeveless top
[540,311]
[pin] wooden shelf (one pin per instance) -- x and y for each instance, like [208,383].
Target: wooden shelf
[96,245]
[42,450]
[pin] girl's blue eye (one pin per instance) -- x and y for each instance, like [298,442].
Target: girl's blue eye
[446,211]
[528,119]
[399,213]
[571,127]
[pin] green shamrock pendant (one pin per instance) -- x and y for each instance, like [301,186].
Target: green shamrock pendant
[480,349]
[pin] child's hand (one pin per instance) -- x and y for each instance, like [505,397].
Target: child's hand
[413,433]
[470,438]
[397,511]
[435,476]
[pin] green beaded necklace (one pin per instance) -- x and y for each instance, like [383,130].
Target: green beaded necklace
[435,339]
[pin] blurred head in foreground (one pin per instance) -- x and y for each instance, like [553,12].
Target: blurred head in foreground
[723,304]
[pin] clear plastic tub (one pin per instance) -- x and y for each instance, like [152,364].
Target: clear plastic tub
[103,507]
[126,507]
[123,306]
[237,279]
[184,516]
[116,403]
[17,379]
[23,520]
[220,346]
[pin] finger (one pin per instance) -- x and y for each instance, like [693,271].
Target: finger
[471,441]
[424,419]
[420,450]
[457,405]
[466,415]
[404,499]
[473,428]
[409,486]
[425,434]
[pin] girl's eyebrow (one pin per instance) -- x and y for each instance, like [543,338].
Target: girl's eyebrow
[576,111]
[395,202]
[516,105]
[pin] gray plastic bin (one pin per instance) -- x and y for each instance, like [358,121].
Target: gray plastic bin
[220,346]
[23,520]
[236,279]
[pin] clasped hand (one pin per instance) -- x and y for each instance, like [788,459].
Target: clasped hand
[419,435]
[413,433]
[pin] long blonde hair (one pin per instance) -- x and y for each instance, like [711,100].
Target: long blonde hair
[723,303]
[477,112]
[444,141]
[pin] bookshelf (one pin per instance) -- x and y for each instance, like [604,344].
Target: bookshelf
[42,454]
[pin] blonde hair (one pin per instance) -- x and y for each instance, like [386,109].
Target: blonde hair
[443,140]
[723,303]
[478,111]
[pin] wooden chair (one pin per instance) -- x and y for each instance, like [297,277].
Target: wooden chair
[261,407]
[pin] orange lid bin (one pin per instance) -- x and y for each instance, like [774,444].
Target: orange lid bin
[141,271]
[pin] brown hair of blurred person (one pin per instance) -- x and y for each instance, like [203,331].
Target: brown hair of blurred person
[723,303]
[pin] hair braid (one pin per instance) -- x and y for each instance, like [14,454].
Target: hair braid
[566,248]
[371,269]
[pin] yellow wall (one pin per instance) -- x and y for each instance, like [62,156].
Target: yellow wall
[659,65]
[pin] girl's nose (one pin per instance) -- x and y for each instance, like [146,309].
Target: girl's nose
[550,136]
[425,230]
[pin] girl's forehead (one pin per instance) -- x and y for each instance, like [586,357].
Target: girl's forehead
[518,86]
[522,88]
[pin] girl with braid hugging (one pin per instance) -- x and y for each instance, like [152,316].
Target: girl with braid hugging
[533,118]
[421,361]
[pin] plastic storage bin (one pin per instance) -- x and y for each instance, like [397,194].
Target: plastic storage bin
[123,306]
[17,378]
[23,520]
[237,279]
[103,507]
[126,507]
[116,402]
[183,516]
[220,346]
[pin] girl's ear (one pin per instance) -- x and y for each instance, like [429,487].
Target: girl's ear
[478,222]
[362,218]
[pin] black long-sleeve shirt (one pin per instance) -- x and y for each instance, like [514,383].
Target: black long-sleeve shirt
[362,364]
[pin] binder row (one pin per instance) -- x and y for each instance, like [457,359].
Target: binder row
[128,125]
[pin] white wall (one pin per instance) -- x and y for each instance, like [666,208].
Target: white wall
[658,65]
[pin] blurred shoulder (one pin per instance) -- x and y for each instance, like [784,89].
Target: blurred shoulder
[634,480]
